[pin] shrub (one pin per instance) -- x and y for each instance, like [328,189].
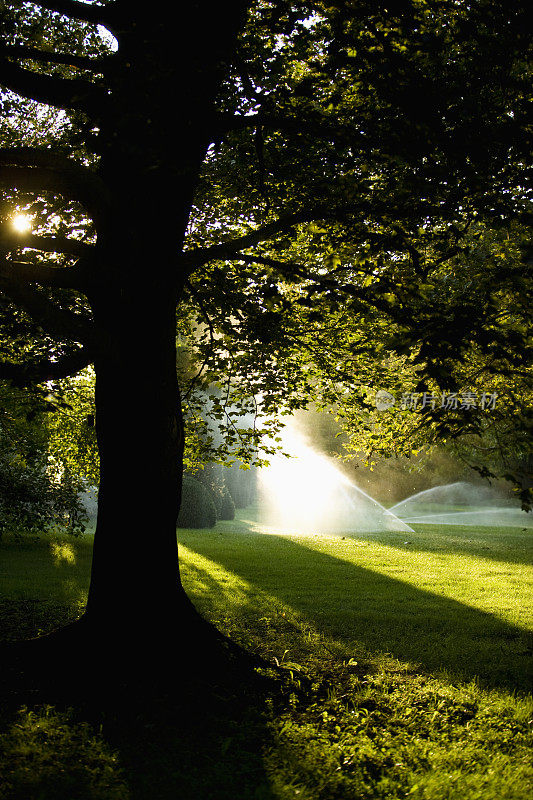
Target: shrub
[226,508]
[38,492]
[197,506]
[33,497]
[213,477]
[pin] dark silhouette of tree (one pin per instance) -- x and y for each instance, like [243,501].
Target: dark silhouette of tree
[274,164]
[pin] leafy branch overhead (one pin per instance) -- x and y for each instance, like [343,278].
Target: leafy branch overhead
[340,199]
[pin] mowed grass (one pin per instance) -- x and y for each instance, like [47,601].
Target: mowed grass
[444,599]
[417,647]
[43,583]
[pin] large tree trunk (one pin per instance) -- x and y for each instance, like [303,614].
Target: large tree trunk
[150,162]
[135,581]
[136,600]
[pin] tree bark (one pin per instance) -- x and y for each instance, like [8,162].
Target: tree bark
[150,165]
[135,579]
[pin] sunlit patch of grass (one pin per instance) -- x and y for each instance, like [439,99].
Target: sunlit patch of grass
[376,725]
[459,605]
[481,581]
[43,583]
[50,568]
[45,754]
[210,578]
[63,551]
[395,736]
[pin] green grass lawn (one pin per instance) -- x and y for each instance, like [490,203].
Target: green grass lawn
[451,599]
[418,647]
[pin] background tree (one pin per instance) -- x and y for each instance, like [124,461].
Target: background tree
[328,160]
[37,491]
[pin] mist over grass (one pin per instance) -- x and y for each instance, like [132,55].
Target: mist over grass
[306,490]
[463,503]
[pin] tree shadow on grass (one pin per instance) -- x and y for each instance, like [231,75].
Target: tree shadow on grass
[208,744]
[372,612]
[508,547]
[191,740]
[198,746]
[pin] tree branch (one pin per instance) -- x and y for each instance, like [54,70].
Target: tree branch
[237,122]
[289,268]
[196,257]
[76,277]
[59,92]
[45,370]
[37,180]
[46,244]
[319,127]
[39,157]
[324,283]
[202,255]
[81,62]
[50,317]
[83,11]
[34,170]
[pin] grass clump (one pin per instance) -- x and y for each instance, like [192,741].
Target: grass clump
[46,754]
[386,736]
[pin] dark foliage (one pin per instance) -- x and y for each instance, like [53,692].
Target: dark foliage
[197,507]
